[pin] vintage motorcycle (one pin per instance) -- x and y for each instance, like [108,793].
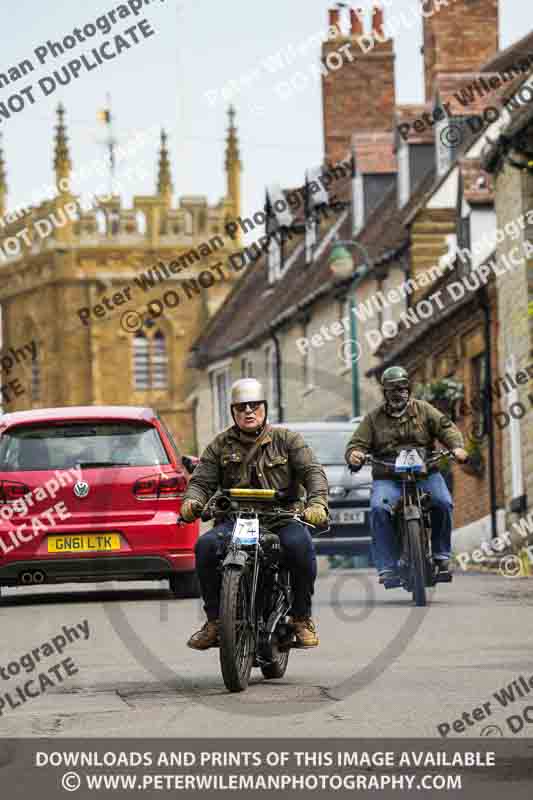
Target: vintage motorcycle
[256,595]
[412,519]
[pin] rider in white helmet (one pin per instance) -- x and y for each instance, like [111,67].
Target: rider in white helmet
[252,454]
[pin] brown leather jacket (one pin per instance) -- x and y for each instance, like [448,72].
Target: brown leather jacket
[283,461]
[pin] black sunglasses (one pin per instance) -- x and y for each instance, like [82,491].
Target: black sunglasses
[241,407]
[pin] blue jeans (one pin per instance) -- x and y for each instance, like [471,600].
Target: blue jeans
[299,555]
[384,538]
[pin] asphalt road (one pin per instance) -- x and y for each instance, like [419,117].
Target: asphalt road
[383,668]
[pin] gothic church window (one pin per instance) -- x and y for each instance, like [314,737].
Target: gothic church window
[150,361]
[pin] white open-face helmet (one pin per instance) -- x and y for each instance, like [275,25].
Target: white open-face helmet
[247,390]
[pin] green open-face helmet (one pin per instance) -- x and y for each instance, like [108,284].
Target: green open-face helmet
[395,376]
[396,389]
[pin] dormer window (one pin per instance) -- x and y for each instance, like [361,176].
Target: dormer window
[310,239]
[274,260]
[404,183]
[358,199]
[444,152]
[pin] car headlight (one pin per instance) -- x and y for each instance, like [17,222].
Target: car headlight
[337,491]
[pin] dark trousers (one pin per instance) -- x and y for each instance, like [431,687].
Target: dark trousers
[299,555]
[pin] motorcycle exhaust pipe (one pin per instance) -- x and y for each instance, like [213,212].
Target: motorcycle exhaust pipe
[26,578]
[38,576]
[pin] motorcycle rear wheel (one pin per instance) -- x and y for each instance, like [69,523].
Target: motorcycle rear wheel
[417,562]
[278,667]
[236,631]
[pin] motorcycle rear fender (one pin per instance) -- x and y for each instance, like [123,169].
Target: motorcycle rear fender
[235,559]
[411,512]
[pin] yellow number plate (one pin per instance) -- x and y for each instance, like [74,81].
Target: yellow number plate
[93,542]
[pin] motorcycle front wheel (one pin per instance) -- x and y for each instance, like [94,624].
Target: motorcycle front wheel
[236,630]
[417,562]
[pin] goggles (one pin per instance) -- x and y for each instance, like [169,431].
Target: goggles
[241,407]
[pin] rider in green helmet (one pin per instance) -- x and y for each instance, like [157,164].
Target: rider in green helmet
[401,422]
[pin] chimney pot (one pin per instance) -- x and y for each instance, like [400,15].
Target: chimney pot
[377,20]
[356,21]
[334,18]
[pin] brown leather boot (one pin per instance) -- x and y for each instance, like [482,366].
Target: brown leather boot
[305,632]
[206,637]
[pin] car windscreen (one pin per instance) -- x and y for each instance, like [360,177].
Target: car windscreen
[65,445]
[328,446]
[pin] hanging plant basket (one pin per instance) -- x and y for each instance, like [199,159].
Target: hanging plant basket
[445,394]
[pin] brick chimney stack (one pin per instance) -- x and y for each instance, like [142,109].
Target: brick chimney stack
[359,95]
[460,37]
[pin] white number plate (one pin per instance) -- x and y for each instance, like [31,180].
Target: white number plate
[409,461]
[246,530]
[347,517]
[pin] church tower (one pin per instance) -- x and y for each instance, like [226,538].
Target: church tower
[101,301]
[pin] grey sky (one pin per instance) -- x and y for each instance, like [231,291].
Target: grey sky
[199,46]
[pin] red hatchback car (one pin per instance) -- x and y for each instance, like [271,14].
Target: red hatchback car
[92,493]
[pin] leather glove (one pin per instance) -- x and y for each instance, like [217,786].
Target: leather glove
[191,509]
[356,459]
[316,514]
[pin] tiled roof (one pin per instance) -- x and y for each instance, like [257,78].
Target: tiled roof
[254,306]
[374,152]
[505,59]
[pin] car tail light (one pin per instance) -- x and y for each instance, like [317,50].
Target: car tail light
[165,486]
[12,490]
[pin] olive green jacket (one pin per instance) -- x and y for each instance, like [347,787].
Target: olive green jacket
[383,436]
[283,462]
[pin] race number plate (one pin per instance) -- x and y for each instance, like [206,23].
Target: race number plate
[246,531]
[409,461]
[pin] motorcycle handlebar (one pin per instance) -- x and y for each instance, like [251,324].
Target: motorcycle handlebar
[369,459]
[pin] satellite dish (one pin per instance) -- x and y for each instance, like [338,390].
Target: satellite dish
[321,197]
[280,206]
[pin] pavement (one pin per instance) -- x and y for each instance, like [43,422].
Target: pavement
[383,668]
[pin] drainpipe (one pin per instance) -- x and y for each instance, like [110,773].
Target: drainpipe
[278,374]
[484,302]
